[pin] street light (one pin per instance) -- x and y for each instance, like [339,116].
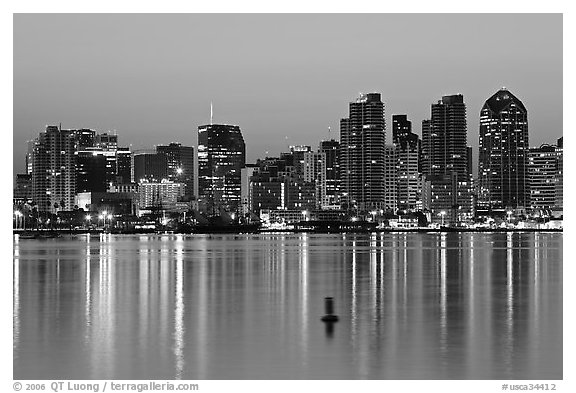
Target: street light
[88,218]
[100,217]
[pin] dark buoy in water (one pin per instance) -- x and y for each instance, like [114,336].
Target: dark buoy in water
[329,306]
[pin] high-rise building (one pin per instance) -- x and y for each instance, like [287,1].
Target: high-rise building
[29,155]
[148,166]
[390,180]
[180,165]
[330,190]
[469,157]
[247,173]
[315,173]
[407,146]
[268,186]
[502,154]
[221,157]
[23,187]
[444,138]
[106,141]
[54,170]
[90,171]
[123,165]
[84,138]
[362,150]
[542,177]
[445,159]
[559,203]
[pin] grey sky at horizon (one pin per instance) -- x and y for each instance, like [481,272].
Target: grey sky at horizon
[151,77]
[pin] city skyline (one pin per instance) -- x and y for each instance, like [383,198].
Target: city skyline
[288,94]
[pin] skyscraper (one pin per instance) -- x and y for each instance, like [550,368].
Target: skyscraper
[445,159]
[152,167]
[444,138]
[362,151]
[390,179]
[503,153]
[90,171]
[53,170]
[408,159]
[559,203]
[330,190]
[542,176]
[180,165]
[123,165]
[221,157]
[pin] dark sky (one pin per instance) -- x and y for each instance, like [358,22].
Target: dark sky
[283,78]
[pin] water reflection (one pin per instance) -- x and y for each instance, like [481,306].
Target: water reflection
[411,306]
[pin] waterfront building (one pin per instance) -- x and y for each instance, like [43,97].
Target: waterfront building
[149,166]
[159,196]
[559,199]
[91,171]
[106,141]
[84,138]
[29,155]
[362,151]
[180,161]
[123,165]
[247,173]
[114,204]
[407,146]
[268,190]
[445,160]
[54,170]
[315,173]
[221,157]
[390,179]
[502,157]
[330,188]
[23,187]
[543,175]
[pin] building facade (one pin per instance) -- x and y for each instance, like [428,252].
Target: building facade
[221,157]
[543,174]
[445,160]
[149,166]
[54,170]
[502,156]
[407,146]
[330,190]
[362,151]
[180,161]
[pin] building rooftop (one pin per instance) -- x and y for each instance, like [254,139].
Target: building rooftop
[501,100]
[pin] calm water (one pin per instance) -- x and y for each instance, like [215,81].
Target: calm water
[411,306]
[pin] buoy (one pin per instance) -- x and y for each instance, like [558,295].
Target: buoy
[329,307]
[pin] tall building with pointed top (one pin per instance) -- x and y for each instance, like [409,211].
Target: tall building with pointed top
[503,152]
[362,153]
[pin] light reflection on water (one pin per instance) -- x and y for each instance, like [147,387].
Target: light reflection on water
[411,306]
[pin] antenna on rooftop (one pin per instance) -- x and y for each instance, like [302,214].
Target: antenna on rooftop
[211,112]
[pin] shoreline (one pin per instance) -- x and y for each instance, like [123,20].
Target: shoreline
[60,232]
